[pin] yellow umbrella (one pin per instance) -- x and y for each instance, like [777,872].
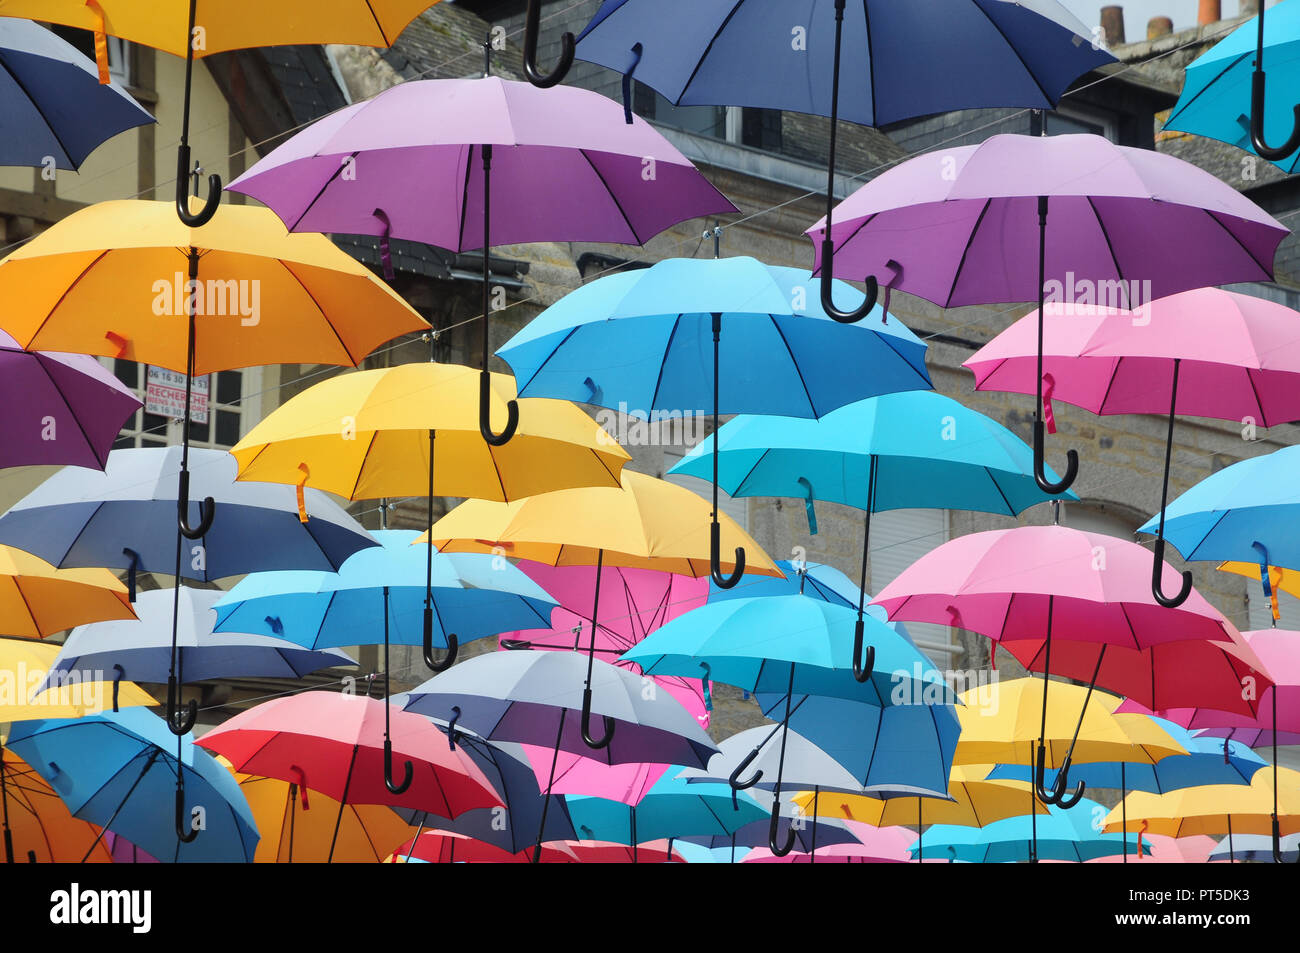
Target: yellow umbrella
[37,600]
[302,826]
[1215,808]
[1279,578]
[37,825]
[24,665]
[198,28]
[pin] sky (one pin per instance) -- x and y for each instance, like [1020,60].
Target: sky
[1138,12]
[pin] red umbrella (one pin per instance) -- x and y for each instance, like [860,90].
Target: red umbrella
[334,743]
[604,852]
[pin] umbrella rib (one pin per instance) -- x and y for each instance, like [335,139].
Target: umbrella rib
[1011,46]
[63,297]
[1119,272]
[1250,379]
[1268,272]
[40,112]
[1114,372]
[888,341]
[1010,509]
[330,324]
[961,263]
[757,463]
[75,419]
[659,378]
[464,205]
[316,198]
[708,49]
[795,363]
[617,204]
[365,457]
[383,34]
[520,388]
[1227,69]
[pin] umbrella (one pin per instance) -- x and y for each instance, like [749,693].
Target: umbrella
[1273,579]
[787,645]
[1159,849]
[1215,88]
[644,524]
[25,665]
[960,225]
[60,408]
[575,774]
[200,28]
[525,696]
[828,836]
[140,650]
[642,339]
[448,847]
[1061,835]
[974,54]
[905,450]
[37,824]
[602,852]
[55,112]
[333,743]
[38,599]
[564,168]
[1253,847]
[1048,583]
[114,770]
[871,845]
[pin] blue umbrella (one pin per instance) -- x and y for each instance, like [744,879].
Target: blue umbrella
[641,342]
[1220,82]
[140,649]
[896,451]
[1062,835]
[113,769]
[1247,512]
[52,106]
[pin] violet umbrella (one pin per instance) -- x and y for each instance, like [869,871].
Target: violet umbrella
[1205,352]
[1048,583]
[421,160]
[59,408]
[958,226]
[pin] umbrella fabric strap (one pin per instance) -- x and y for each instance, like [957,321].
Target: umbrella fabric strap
[101,42]
[808,506]
[1265,580]
[1049,418]
[302,499]
[385,249]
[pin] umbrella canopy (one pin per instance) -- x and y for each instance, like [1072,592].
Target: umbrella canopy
[385,451]
[474,596]
[25,666]
[1070,835]
[1247,511]
[37,599]
[643,524]
[1215,808]
[806,765]
[60,408]
[412,139]
[1252,847]
[576,774]
[1219,85]
[602,852]
[871,845]
[958,221]
[672,808]
[52,105]
[643,342]
[333,743]
[448,847]
[1159,849]
[38,827]
[142,648]
[125,518]
[823,835]
[534,698]
[111,280]
[975,54]
[115,769]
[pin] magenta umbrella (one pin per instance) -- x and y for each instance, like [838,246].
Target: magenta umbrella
[1046,583]
[633,603]
[960,226]
[59,409]
[575,774]
[423,161]
[1205,352]
[877,845]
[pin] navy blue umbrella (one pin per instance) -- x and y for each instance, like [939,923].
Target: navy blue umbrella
[53,110]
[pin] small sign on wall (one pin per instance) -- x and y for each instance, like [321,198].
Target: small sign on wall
[165,395]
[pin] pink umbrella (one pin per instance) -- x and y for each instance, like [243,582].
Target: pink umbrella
[1207,353]
[1167,850]
[575,774]
[1042,583]
[879,845]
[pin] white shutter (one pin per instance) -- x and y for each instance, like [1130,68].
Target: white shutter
[737,509]
[1261,612]
[898,539]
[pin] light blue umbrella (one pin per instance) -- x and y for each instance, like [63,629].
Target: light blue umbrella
[114,770]
[730,333]
[897,451]
[1062,835]
[1248,512]
[1222,98]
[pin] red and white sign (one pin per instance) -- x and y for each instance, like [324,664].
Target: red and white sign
[165,395]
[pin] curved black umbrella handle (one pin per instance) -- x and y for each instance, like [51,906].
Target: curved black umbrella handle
[862,673]
[453,645]
[131,572]
[596,744]
[452,734]
[484,416]
[1040,464]
[532,27]
[721,580]
[117,683]
[207,510]
[828,288]
[180,721]
[1058,790]
[1040,777]
[734,778]
[408,771]
[210,204]
[1257,107]
[778,848]
[1157,572]
[184,826]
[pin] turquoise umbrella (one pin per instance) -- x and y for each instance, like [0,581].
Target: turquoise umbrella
[1062,835]
[907,450]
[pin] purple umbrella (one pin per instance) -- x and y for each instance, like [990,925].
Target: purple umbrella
[958,226]
[60,409]
[421,160]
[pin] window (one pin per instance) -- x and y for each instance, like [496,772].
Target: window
[232,410]
[1068,120]
[898,539]
[758,128]
[119,51]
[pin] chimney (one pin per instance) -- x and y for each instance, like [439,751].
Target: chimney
[1159,26]
[1112,25]
[1209,12]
